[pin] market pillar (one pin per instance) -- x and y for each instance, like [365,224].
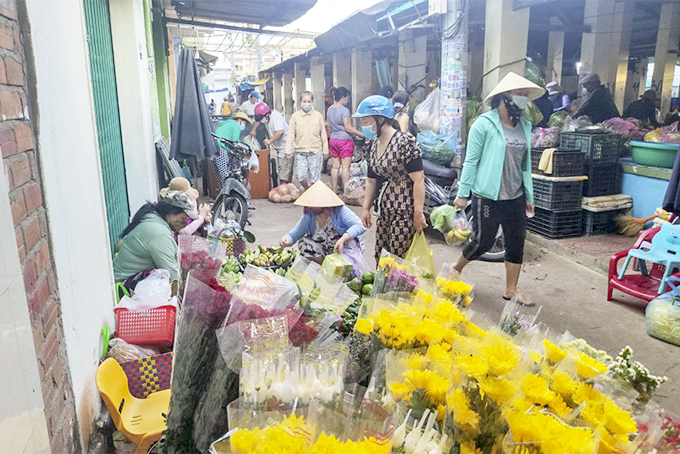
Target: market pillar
[278,99]
[453,73]
[505,41]
[622,31]
[643,69]
[317,72]
[361,75]
[300,81]
[412,61]
[595,46]
[342,71]
[554,58]
[288,94]
[666,53]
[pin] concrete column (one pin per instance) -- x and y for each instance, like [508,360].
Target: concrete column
[288,94]
[666,53]
[644,67]
[554,57]
[342,70]
[620,45]
[394,69]
[300,82]
[317,71]
[361,75]
[277,102]
[412,61]
[505,41]
[596,53]
[632,84]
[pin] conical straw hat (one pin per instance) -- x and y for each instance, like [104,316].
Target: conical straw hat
[514,81]
[319,196]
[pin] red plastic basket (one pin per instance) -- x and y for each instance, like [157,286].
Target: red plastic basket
[153,327]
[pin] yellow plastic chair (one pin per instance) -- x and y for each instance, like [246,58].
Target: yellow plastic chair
[141,420]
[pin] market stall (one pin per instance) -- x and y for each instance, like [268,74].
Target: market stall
[276,354]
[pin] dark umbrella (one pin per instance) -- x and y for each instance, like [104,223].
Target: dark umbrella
[191,129]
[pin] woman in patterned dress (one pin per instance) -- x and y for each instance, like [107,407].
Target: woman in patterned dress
[395,160]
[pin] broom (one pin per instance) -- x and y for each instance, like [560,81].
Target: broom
[627,225]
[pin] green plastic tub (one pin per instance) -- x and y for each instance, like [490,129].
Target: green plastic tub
[654,154]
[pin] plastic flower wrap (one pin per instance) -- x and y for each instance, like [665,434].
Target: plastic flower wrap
[195,353]
[201,255]
[636,374]
[517,317]
[422,435]
[450,285]
[402,280]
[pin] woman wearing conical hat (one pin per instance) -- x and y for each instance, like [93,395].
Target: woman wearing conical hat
[497,175]
[326,226]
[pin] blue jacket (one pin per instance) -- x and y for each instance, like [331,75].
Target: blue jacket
[344,221]
[484,158]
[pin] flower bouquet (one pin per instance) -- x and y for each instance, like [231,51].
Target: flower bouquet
[202,256]
[393,275]
[195,352]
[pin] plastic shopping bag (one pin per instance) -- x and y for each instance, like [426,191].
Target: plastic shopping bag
[663,314]
[253,163]
[352,252]
[420,254]
[426,115]
[459,230]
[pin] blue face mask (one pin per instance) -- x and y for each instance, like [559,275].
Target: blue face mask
[242,126]
[368,132]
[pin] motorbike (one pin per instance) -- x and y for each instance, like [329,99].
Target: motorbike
[441,187]
[231,203]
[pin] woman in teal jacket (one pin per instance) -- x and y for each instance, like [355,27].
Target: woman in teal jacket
[497,174]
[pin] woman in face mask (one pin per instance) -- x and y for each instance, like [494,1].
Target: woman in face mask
[396,160]
[497,174]
[308,140]
[341,143]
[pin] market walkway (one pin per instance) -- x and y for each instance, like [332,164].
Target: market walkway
[573,297]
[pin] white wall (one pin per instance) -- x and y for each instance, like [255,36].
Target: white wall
[134,100]
[22,415]
[74,197]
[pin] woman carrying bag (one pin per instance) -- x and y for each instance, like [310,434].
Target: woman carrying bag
[396,160]
[497,175]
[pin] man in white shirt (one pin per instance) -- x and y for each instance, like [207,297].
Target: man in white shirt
[248,106]
[278,134]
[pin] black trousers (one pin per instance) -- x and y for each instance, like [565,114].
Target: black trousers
[488,215]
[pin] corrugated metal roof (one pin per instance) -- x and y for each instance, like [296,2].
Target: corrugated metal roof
[260,12]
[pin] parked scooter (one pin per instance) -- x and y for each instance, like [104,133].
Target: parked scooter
[231,203]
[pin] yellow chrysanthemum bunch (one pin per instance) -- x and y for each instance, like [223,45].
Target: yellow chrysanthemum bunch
[543,433]
[329,444]
[289,437]
[387,263]
[454,290]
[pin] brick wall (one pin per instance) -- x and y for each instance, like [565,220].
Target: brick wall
[33,236]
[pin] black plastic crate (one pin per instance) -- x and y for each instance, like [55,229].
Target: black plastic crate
[599,148]
[566,162]
[557,224]
[558,195]
[598,222]
[603,179]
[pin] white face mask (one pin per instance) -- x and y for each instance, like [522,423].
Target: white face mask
[584,90]
[306,106]
[520,101]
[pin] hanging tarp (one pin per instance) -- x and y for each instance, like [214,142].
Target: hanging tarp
[191,130]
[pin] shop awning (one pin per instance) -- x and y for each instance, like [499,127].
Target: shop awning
[260,12]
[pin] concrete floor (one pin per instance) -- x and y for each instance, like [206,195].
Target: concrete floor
[573,296]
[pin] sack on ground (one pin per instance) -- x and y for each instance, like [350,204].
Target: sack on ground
[420,254]
[426,115]
[284,193]
[355,191]
[663,314]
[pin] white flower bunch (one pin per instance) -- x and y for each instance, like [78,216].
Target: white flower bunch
[419,439]
[635,373]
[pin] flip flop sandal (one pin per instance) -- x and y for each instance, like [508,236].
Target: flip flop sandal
[521,300]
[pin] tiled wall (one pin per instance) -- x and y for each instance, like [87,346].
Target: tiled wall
[23,428]
[32,338]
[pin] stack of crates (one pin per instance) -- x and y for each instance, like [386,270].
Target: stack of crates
[557,196]
[601,166]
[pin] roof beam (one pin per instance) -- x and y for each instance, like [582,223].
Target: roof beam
[253,31]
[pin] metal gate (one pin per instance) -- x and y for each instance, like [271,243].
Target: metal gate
[98,25]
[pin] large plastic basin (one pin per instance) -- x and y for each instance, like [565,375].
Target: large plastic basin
[654,154]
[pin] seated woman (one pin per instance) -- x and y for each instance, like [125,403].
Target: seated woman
[149,243]
[326,226]
[204,214]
